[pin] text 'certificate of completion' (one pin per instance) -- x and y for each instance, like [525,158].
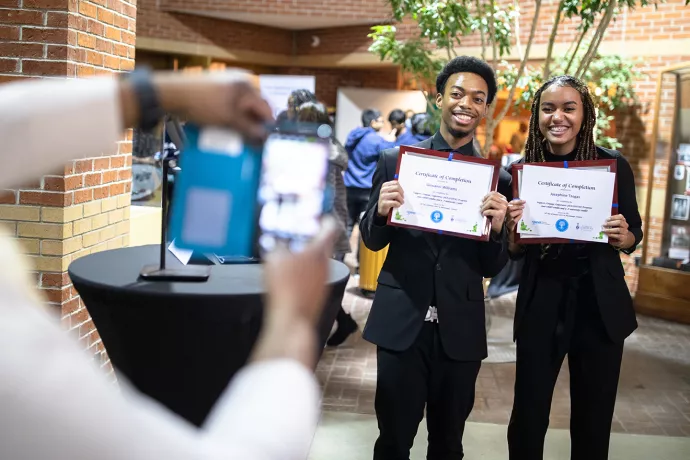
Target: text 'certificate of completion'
[566,203]
[444,192]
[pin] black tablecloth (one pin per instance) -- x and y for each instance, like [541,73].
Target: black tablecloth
[180,342]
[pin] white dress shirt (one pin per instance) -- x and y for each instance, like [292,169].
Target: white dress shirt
[431,315]
[54,403]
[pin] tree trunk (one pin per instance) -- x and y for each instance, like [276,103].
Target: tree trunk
[523,64]
[490,123]
[577,48]
[596,41]
[481,30]
[492,34]
[490,128]
[518,45]
[552,39]
[429,105]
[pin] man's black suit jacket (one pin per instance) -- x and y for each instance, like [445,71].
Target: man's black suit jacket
[612,293]
[419,263]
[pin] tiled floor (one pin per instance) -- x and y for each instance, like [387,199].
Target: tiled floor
[343,436]
[653,396]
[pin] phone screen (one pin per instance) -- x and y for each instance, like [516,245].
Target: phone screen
[292,189]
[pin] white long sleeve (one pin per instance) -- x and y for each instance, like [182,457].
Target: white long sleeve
[44,124]
[54,403]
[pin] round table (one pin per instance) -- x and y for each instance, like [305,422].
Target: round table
[180,342]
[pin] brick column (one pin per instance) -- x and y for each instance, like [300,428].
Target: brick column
[85,207]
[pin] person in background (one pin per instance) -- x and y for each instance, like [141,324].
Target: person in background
[315,112]
[296,99]
[427,319]
[573,299]
[495,152]
[282,117]
[403,135]
[269,410]
[409,113]
[421,129]
[518,139]
[364,145]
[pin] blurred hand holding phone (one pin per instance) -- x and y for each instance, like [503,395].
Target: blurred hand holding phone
[238,200]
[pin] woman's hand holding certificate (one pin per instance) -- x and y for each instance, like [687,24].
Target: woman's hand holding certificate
[616,227]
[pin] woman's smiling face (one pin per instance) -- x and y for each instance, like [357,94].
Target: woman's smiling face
[561,114]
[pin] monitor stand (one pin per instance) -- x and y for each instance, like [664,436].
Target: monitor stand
[160,272]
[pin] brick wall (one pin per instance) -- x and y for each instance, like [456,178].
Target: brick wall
[329,80]
[66,37]
[337,40]
[346,9]
[154,23]
[85,207]
[668,20]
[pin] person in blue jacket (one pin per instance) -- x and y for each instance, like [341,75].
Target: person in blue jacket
[403,135]
[363,145]
[420,127]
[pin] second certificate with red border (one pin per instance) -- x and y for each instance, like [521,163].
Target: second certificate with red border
[566,201]
[444,192]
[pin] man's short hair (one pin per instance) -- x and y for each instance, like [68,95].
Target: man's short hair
[468,64]
[397,116]
[368,116]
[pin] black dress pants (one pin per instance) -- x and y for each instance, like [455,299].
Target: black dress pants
[593,360]
[409,380]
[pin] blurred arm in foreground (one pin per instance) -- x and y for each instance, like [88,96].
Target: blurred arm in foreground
[55,403]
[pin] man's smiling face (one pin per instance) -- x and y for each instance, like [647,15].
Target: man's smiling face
[463,103]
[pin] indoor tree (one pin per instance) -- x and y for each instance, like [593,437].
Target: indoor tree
[442,25]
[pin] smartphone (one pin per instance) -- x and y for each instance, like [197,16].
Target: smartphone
[293,189]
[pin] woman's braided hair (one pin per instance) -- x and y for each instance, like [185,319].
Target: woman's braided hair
[536,142]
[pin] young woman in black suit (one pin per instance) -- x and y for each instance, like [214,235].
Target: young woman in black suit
[573,299]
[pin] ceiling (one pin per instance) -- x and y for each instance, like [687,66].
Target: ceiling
[286,21]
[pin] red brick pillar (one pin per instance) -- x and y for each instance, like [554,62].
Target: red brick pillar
[85,207]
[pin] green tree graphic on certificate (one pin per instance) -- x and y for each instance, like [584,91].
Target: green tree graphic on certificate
[474,229]
[600,237]
[399,216]
[523,227]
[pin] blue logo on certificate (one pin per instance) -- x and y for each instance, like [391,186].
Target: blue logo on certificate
[562,225]
[437,216]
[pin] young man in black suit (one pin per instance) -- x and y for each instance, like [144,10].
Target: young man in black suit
[427,318]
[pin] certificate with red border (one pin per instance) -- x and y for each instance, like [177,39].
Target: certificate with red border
[603,165]
[444,192]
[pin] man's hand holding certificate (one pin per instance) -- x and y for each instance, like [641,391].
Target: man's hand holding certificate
[444,193]
[566,203]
